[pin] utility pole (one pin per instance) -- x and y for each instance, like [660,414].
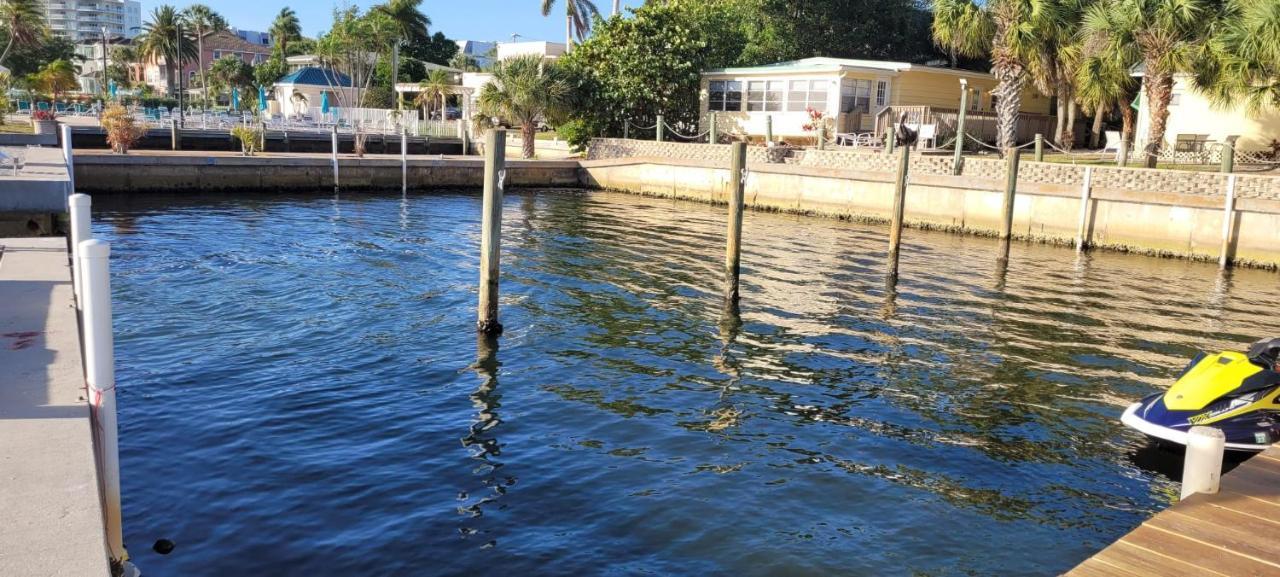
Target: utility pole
[178,64]
[106,92]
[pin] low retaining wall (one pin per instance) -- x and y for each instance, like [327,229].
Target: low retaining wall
[1149,221]
[101,173]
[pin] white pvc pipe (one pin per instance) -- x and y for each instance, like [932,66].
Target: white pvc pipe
[100,376]
[404,160]
[334,139]
[79,207]
[1227,216]
[1202,468]
[1086,190]
[69,158]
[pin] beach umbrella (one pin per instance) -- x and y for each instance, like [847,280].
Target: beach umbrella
[112,88]
[262,98]
[324,102]
[235,99]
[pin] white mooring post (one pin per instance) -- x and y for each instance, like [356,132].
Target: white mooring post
[1086,190]
[68,157]
[1228,219]
[404,160]
[78,206]
[495,172]
[334,140]
[1202,468]
[100,376]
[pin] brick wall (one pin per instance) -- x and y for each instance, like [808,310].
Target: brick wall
[1135,179]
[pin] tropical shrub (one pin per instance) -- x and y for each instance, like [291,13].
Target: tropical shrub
[43,115]
[250,139]
[122,131]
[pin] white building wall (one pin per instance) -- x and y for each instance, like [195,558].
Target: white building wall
[87,19]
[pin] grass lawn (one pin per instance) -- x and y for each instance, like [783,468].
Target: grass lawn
[13,127]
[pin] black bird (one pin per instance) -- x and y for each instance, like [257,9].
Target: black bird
[906,136]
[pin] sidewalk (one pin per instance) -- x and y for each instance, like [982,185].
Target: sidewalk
[50,513]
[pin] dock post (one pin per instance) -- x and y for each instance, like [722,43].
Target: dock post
[1228,218]
[262,135]
[957,163]
[1086,190]
[713,135]
[768,129]
[1202,468]
[69,157]
[404,160]
[495,173]
[891,140]
[1010,192]
[79,206]
[1039,147]
[99,359]
[899,210]
[658,128]
[1229,155]
[733,246]
[175,140]
[333,138]
[626,130]
[1123,159]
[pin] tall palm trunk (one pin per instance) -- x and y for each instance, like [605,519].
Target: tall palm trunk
[1095,135]
[568,32]
[395,72]
[1010,81]
[617,7]
[1061,112]
[1159,92]
[528,134]
[204,80]
[1068,140]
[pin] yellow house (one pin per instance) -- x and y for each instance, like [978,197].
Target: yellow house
[1197,122]
[859,96]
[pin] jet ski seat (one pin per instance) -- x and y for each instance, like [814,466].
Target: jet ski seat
[1266,353]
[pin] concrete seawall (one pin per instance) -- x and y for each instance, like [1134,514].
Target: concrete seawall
[106,173]
[1163,223]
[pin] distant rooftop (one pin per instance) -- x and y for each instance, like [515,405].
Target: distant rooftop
[317,77]
[825,64]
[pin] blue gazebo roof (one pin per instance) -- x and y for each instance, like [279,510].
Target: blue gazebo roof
[317,77]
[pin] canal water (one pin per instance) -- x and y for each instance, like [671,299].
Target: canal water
[302,391]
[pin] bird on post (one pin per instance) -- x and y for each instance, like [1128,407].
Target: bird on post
[906,136]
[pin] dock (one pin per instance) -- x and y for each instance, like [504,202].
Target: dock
[53,522]
[1235,532]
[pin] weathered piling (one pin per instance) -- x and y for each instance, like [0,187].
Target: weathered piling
[1202,468]
[175,139]
[768,129]
[333,138]
[957,162]
[69,157]
[1010,192]
[899,210]
[1123,159]
[733,246]
[891,140]
[1086,191]
[404,160]
[99,359]
[1229,155]
[713,132]
[1039,147]
[79,205]
[658,129]
[1228,220]
[495,151]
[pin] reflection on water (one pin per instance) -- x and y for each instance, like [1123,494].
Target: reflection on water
[296,373]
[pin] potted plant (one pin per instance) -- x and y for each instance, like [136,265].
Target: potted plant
[44,122]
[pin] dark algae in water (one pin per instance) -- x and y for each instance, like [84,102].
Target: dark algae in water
[311,365]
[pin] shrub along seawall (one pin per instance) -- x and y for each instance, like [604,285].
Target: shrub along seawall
[1161,212]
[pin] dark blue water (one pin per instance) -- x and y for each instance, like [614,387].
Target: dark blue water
[302,391]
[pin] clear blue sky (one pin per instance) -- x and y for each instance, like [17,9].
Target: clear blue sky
[460,20]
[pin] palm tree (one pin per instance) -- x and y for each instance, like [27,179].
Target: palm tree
[524,90]
[24,21]
[1166,36]
[285,28]
[1057,56]
[57,77]
[1010,31]
[438,85]
[159,40]
[1242,63]
[408,23]
[202,20]
[577,18]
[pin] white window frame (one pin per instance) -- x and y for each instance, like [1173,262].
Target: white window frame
[726,88]
[882,92]
[975,102]
[810,98]
[769,97]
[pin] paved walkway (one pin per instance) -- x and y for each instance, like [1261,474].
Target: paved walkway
[50,514]
[1233,533]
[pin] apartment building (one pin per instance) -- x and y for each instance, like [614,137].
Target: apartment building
[86,20]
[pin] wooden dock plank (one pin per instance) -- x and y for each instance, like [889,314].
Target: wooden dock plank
[1232,533]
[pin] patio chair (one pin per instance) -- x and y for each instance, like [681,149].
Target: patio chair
[925,132]
[43,106]
[24,106]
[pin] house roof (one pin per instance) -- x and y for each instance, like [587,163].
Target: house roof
[317,77]
[822,64]
[225,41]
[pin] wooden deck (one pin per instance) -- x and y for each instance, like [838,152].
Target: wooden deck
[1234,533]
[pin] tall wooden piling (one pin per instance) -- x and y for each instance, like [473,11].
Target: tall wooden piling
[713,132]
[658,129]
[495,152]
[1039,147]
[768,129]
[1228,220]
[733,246]
[899,209]
[1086,191]
[1010,192]
[175,139]
[890,140]
[333,138]
[1229,155]
[957,162]
[404,160]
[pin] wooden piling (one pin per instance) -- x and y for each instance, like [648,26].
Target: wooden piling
[333,137]
[495,152]
[768,129]
[1228,219]
[1123,160]
[175,139]
[658,128]
[733,247]
[1086,191]
[957,163]
[713,134]
[1010,192]
[1229,155]
[899,209]
[404,160]
[1039,147]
